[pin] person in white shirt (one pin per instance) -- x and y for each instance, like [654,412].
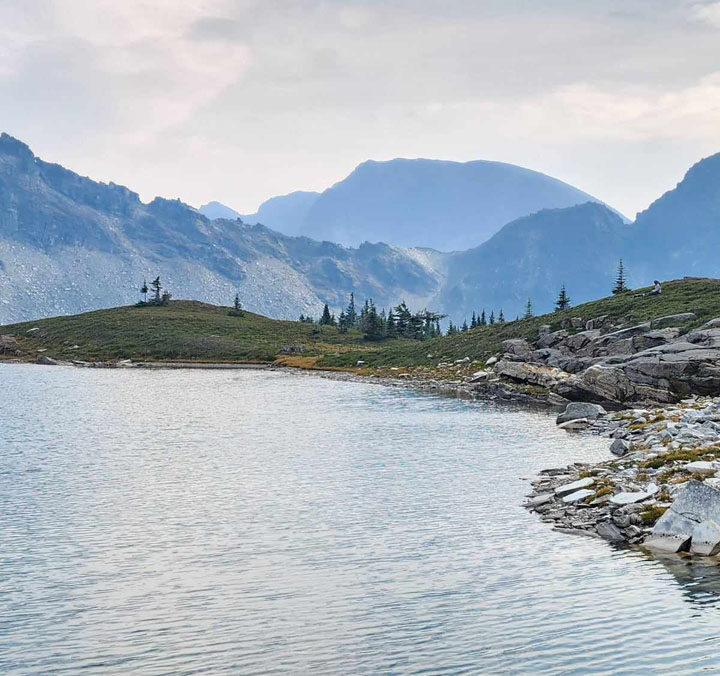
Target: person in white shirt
[655,291]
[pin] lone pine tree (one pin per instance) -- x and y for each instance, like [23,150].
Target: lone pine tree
[563,300]
[620,282]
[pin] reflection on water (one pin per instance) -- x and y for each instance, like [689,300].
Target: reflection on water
[698,576]
[263,522]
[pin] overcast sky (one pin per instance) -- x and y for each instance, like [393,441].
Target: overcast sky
[241,100]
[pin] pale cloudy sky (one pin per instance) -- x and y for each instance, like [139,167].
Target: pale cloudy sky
[241,100]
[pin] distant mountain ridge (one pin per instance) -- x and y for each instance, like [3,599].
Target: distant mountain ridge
[440,204]
[69,244]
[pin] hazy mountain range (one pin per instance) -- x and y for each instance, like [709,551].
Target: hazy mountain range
[68,244]
[447,206]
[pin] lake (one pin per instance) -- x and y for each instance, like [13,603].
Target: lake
[269,522]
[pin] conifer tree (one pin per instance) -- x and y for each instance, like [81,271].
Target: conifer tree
[528,310]
[326,319]
[501,317]
[620,283]
[465,327]
[342,322]
[563,300]
[144,290]
[390,328]
[492,317]
[403,318]
[483,321]
[372,325]
[156,287]
[452,330]
[473,321]
[350,313]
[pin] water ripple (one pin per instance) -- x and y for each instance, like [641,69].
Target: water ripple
[270,523]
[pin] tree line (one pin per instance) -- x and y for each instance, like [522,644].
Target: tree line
[397,322]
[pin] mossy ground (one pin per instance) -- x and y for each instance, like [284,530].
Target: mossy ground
[184,330]
[189,330]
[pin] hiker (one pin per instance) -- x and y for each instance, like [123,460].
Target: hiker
[655,291]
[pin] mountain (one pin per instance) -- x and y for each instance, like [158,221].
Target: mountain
[68,244]
[430,203]
[213,210]
[533,256]
[285,213]
[679,233]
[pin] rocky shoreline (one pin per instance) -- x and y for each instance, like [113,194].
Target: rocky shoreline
[663,457]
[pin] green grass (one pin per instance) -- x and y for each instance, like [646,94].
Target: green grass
[701,296]
[184,330]
[189,330]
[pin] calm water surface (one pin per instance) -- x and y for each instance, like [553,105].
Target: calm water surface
[249,522]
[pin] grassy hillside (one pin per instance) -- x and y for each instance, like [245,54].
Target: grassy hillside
[184,330]
[701,296]
[188,330]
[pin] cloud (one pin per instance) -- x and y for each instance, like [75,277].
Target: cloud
[707,12]
[241,99]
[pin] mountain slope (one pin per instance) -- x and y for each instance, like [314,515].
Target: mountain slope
[430,203]
[533,256]
[679,233]
[286,213]
[213,210]
[69,244]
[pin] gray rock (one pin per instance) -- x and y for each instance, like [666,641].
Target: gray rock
[706,539]
[577,424]
[581,409]
[46,361]
[712,324]
[621,519]
[544,330]
[609,531]
[491,361]
[574,486]
[517,346]
[479,376]
[672,320]
[620,447]
[577,323]
[578,341]
[596,323]
[535,374]
[541,499]
[577,496]
[694,503]
[550,339]
[702,467]
[628,498]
